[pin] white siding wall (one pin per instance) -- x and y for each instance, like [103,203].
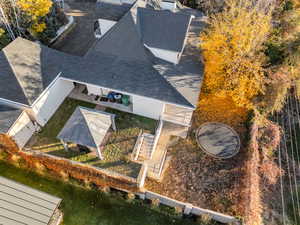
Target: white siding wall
[22,130]
[118,1]
[168,5]
[96,90]
[147,107]
[105,25]
[50,100]
[169,56]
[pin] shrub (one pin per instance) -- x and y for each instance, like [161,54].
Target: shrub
[130,196]
[275,53]
[3,154]
[212,6]
[40,168]
[155,202]
[178,209]
[288,5]
[205,219]
[268,137]
[270,171]
[4,39]
[64,175]
[273,99]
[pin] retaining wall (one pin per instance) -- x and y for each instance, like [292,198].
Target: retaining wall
[188,208]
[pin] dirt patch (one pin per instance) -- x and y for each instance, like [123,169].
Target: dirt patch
[200,179]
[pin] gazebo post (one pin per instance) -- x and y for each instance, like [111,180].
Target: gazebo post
[99,153]
[65,145]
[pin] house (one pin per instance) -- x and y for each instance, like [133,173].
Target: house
[144,57]
[21,204]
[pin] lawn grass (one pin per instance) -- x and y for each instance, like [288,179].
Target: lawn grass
[90,207]
[49,132]
[117,148]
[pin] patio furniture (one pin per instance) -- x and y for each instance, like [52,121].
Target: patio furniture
[218,140]
[87,127]
[118,96]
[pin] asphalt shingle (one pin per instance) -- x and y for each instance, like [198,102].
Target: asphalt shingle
[27,69]
[8,116]
[163,29]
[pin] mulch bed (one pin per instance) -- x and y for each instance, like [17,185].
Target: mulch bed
[199,179]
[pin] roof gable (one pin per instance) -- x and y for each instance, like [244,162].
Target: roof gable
[86,127]
[27,73]
[163,29]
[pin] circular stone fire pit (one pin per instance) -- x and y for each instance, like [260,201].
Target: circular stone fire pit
[218,140]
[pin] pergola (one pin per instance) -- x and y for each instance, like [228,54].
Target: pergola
[87,127]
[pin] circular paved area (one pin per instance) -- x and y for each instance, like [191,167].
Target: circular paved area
[218,140]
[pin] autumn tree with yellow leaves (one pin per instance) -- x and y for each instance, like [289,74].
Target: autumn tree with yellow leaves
[35,10]
[232,46]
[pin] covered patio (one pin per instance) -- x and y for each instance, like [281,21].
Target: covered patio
[87,128]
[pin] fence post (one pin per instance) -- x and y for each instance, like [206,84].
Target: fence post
[142,176]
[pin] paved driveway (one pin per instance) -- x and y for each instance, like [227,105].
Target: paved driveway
[85,12]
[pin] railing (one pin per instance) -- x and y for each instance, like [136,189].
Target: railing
[137,146]
[181,118]
[162,162]
[142,175]
[157,136]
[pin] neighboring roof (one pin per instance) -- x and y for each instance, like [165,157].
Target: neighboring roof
[86,127]
[22,205]
[106,9]
[27,68]
[163,29]
[8,116]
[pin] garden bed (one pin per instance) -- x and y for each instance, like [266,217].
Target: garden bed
[116,149]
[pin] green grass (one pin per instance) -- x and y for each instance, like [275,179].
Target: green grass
[58,120]
[89,207]
[116,150]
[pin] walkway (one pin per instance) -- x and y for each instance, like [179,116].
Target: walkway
[85,12]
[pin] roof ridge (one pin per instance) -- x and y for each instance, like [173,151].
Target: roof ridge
[87,124]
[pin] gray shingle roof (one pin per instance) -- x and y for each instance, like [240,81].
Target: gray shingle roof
[186,77]
[132,76]
[27,68]
[106,9]
[163,29]
[122,40]
[118,61]
[86,127]
[21,204]
[8,116]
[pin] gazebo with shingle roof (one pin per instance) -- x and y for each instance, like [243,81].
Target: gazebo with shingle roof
[87,127]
